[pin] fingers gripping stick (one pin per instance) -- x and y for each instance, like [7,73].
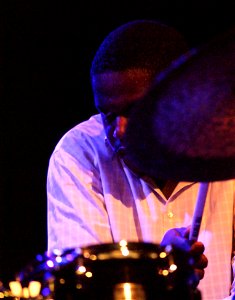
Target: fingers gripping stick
[198,212]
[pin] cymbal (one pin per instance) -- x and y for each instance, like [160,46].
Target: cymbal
[184,128]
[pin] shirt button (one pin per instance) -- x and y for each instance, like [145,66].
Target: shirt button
[170,214]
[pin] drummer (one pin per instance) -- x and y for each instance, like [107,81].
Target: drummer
[95,198]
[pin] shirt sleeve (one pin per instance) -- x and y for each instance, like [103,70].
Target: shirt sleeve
[76,212]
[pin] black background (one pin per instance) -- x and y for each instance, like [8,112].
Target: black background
[45,54]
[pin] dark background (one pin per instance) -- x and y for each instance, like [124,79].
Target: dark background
[45,53]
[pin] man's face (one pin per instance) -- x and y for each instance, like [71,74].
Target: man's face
[115,93]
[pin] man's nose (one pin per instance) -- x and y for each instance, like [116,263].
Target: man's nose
[120,128]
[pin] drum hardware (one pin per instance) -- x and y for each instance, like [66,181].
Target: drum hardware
[128,290]
[32,291]
[36,280]
[16,291]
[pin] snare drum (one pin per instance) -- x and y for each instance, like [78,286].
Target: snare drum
[126,271]
[118,271]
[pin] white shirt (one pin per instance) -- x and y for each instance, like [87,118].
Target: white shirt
[94,198]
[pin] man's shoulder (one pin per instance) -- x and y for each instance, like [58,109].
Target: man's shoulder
[91,126]
[88,131]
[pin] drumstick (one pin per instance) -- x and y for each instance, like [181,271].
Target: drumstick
[198,212]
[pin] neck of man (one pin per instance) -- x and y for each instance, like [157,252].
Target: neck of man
[166,186]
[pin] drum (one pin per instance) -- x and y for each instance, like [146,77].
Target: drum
[118,271]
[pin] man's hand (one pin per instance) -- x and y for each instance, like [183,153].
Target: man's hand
[179,239]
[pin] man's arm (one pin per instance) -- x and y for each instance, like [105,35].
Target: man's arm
[77,214]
